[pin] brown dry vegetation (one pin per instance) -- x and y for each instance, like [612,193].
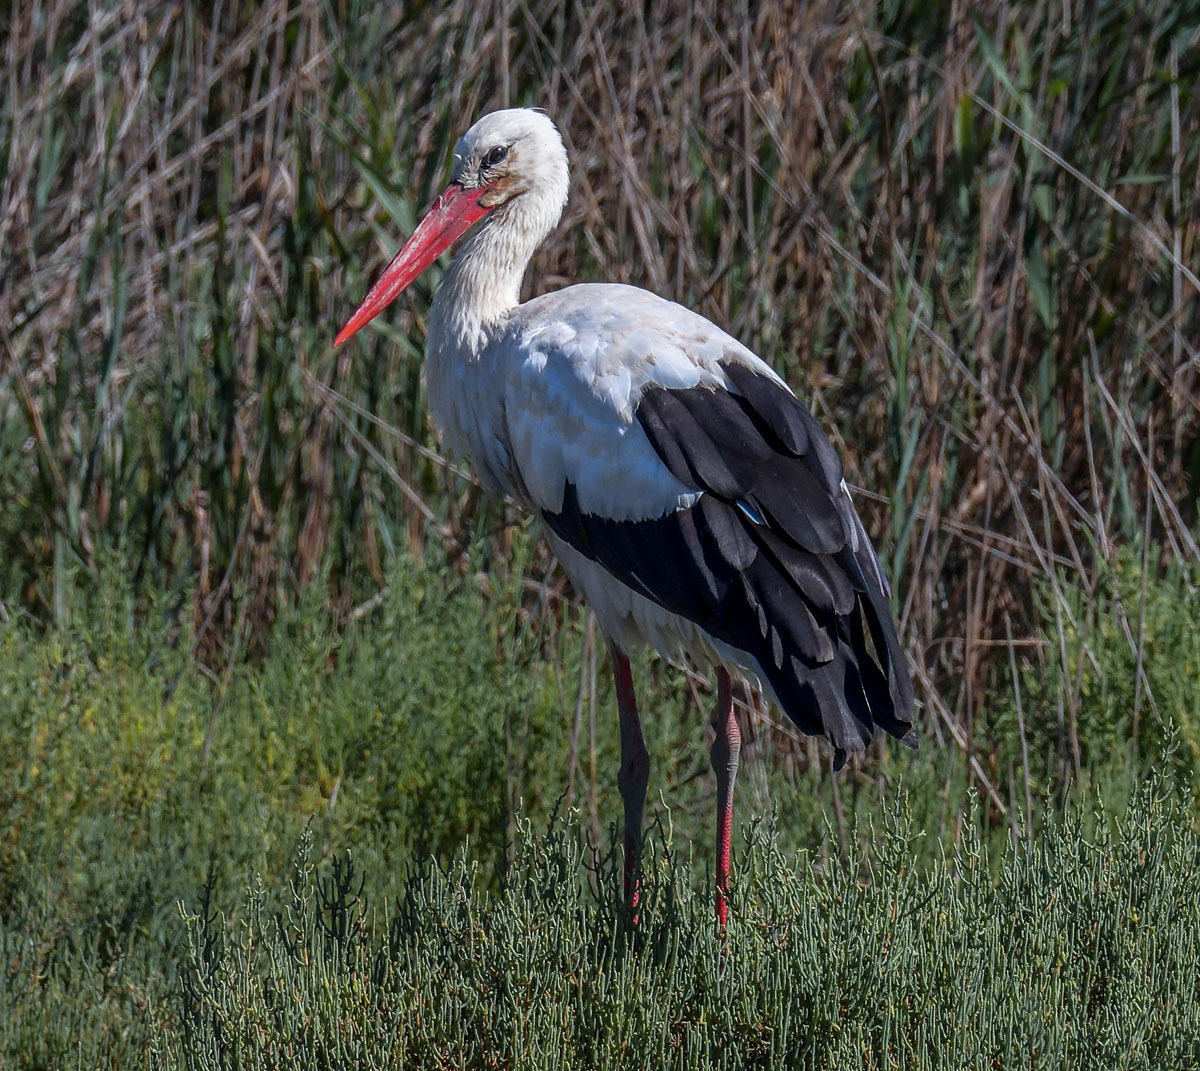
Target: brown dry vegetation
[966,233]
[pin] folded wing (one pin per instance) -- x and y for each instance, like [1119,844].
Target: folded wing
[711,491]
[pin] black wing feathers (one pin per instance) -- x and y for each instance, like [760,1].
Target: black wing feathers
[771,559]
[710,441]
[780,419]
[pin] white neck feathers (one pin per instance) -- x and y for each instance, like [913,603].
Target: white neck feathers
[483,285]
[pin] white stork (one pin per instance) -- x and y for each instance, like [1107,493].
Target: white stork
[693,501]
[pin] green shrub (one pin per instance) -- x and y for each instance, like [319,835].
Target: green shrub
[1082,954]
[127,774]
[1126,684]
[413,737]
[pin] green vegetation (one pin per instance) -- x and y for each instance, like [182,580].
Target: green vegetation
[1068,959]
[149,891]
[248,610]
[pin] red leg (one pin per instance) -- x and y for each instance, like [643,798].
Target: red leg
[634,772]
[725,751]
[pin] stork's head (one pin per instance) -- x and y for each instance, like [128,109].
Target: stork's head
[510,153]
[510,165]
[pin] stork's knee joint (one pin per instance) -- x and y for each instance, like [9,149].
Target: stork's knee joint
[726,748]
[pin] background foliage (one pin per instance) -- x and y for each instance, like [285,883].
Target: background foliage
[242,594]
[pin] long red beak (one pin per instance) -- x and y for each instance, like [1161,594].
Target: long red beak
[452,214]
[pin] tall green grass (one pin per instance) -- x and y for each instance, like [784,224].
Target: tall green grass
[1082,953]
[872,911]
[967,238]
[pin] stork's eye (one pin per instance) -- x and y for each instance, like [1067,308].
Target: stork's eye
[495,156]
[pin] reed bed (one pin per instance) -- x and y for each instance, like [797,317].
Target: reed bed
[966,234]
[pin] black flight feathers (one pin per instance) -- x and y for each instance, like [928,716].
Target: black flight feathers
[771,559]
